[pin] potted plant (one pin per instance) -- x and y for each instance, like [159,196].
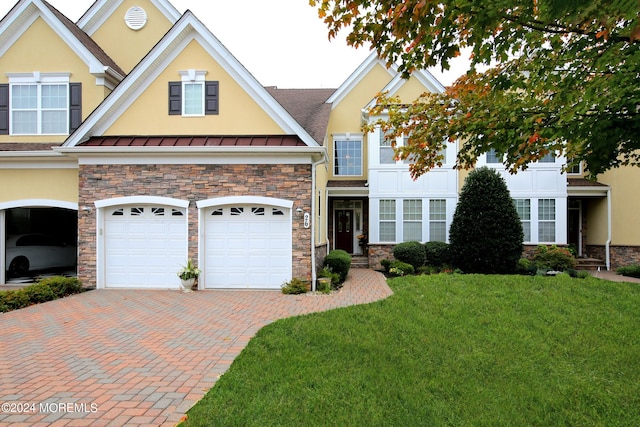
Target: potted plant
[188,275]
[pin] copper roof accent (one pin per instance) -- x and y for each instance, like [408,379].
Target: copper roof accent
[347,184]
[583,182]
[27,146]
[195,141]
[308,107]
[87,41]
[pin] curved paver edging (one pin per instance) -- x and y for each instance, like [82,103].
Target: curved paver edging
[123,357]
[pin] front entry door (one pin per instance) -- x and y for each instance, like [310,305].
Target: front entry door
[574,225]
[344,230]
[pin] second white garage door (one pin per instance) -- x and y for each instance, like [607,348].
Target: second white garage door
[145,245]
[247,246]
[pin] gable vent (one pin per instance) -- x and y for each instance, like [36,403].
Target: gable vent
[135,18]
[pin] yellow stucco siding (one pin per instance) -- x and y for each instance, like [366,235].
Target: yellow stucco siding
[114,34]
[51,184]
[321,223]
[625,206]
[411,90]
[29,54]
[238,114]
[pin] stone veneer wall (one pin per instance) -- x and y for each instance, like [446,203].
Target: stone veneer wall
[377,253]
[620,255]
[321,252]
[192,183]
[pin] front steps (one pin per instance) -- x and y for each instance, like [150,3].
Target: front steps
[591,264]
[359,261]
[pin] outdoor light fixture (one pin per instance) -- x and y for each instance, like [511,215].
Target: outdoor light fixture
[299,212]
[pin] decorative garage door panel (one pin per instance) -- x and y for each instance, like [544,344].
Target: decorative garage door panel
[247,247]
[144,246]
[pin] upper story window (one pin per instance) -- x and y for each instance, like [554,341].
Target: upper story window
[193,96]
[493,156]
[387,155]
[347,156]
[548,158]
[40,104]
[575,169]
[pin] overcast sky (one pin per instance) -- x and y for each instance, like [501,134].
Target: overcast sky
[281,42]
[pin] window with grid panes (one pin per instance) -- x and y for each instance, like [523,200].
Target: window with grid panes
[39,109]
[387,220]
[438,220]
[493,156]
[523,206]
[547,220]
[193,99]
[348,157]
[412,220]
[387,155]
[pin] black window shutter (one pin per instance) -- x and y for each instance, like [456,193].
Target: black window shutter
[175,98]
[75,106]
[211,97]
[4,109]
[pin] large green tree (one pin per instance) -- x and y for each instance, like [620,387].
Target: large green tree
[546,76]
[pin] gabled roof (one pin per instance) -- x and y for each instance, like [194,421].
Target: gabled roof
[101,10]
[352,81]
[423,76]
[25,12]
[308,106]
[188,28]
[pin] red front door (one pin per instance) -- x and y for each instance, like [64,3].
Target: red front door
[344,230]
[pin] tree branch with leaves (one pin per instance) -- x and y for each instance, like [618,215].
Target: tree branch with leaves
[559,76]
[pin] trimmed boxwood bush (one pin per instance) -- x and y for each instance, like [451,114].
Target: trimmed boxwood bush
[486,233]
[339,262]
[410,252]
[386,264]
[437,254]
[629,270]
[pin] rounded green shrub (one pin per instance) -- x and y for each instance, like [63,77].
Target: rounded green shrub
[437,254]
[386,264]
[410,252]
[39,292]
[399,268]
[486,233]
[339,262]
[554,258]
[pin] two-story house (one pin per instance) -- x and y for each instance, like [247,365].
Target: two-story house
[135,134]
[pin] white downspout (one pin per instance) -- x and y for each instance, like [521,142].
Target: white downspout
[3,248]
[314,220]
[608,244]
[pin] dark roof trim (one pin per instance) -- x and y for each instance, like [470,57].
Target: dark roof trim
[195,141]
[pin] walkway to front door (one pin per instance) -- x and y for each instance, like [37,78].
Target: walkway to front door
[125,357]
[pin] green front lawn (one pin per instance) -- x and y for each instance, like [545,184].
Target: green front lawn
[454,350]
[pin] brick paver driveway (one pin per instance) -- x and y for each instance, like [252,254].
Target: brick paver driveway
[122,357]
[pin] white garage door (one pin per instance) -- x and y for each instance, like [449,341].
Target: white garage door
[145,246]
[247,246]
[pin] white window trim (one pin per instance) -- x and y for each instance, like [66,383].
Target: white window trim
[38,79]
[357,137]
